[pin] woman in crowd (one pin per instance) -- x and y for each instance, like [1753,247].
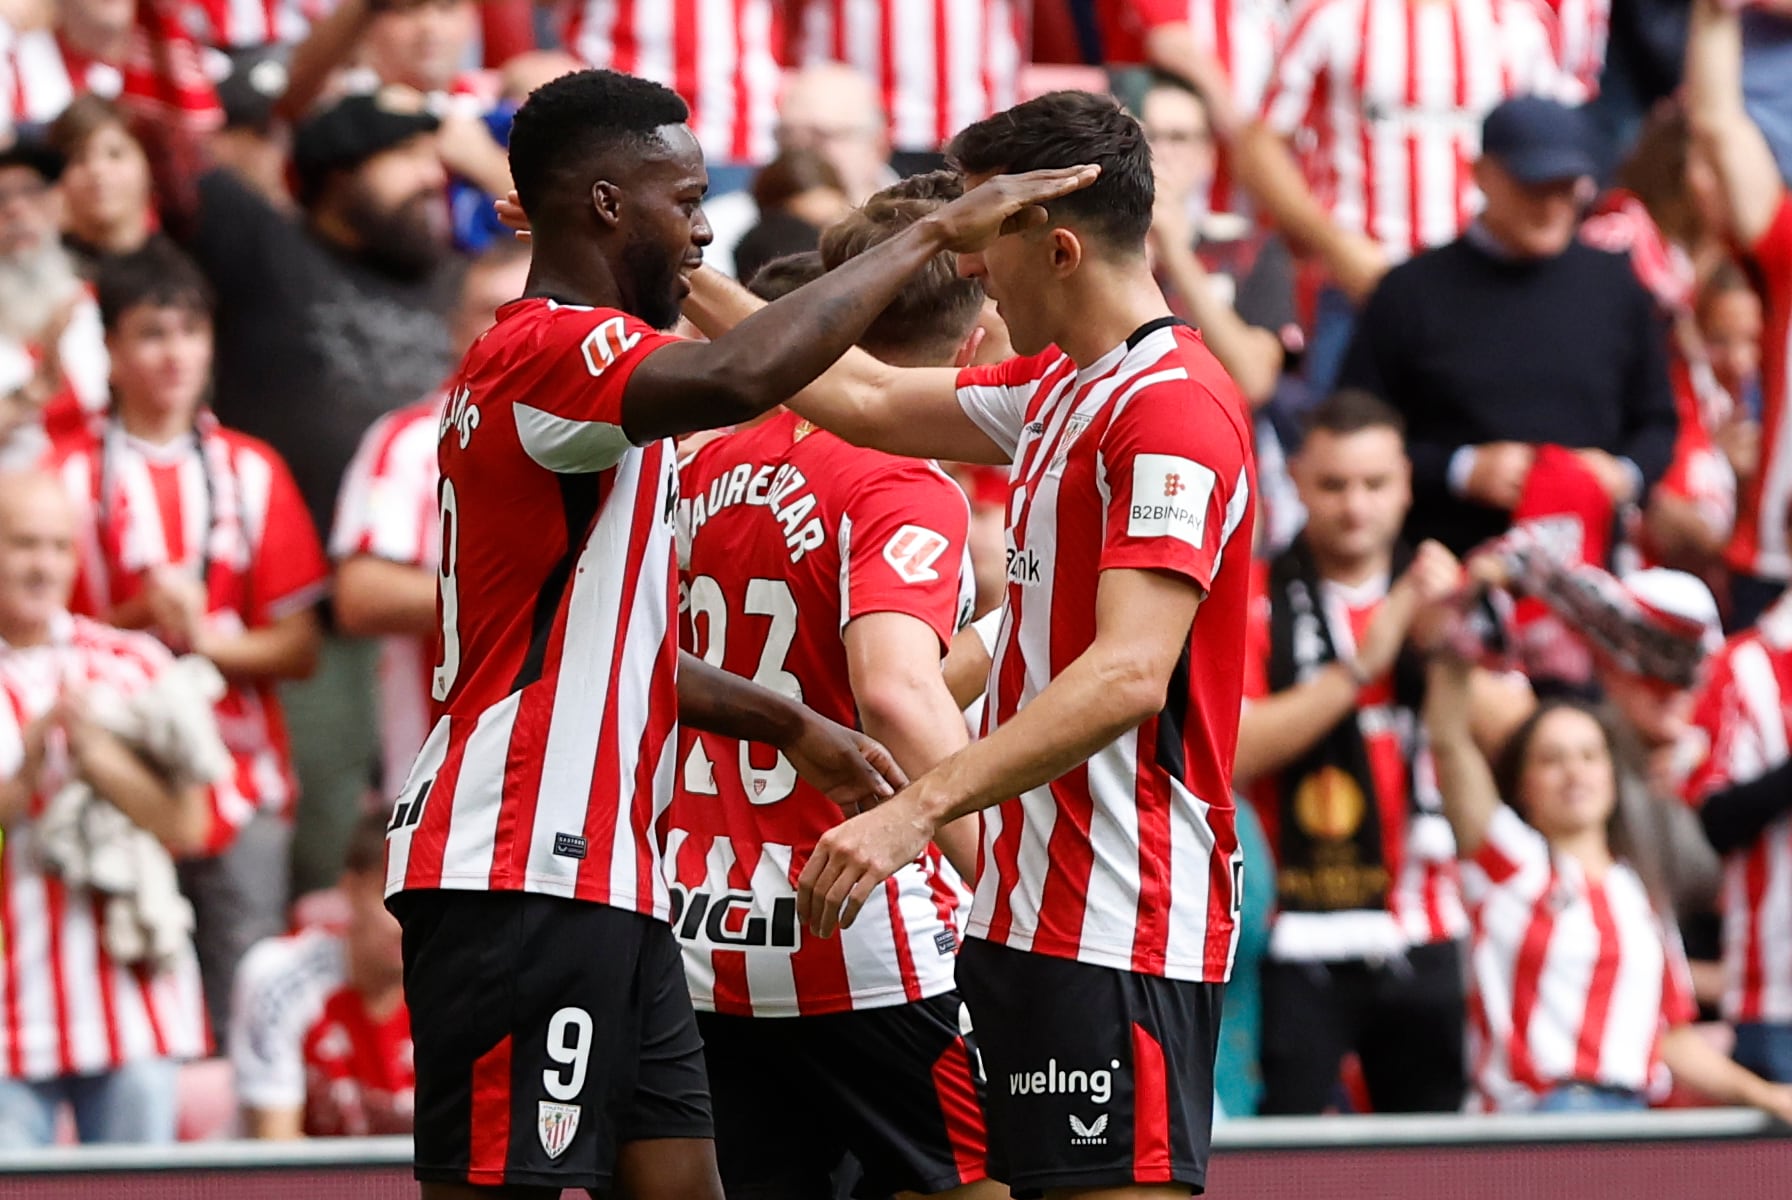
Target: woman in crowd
[1579,996]
[108,201]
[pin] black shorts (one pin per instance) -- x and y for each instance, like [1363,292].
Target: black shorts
[1097,1077]
[898,1088]
[547,1032]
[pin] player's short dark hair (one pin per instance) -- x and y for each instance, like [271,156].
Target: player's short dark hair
[367,845]
[1067,129]
[569,123]
[1352,410]
[782,276]
[937,307]
[157,276]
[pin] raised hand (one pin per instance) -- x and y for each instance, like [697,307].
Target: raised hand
[1005,204]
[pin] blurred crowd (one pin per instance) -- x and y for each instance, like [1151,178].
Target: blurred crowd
[1507,283]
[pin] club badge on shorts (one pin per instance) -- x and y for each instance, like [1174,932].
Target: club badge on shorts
[556,1124]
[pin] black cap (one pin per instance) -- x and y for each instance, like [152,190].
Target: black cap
[351,131]
[1537,140]
[253,81]
[34,152]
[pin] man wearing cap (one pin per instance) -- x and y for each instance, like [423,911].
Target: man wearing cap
[1530,368]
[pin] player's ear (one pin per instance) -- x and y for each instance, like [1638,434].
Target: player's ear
[606,201]
[1066,250]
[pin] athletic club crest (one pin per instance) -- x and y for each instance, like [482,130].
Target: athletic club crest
[556,1123]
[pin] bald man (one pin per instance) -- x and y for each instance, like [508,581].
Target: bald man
[833,110]
[102,1036]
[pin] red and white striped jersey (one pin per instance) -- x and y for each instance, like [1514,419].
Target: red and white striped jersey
[1418,849]
[1573,979]
[40,72]
[1743,719]
[1582,28]
[1760,547]
[387,509]
[786,535]
[246,24]
[223,507]
[556,687]
[940,64]
[65,1007]
[301,1037]
[1394,91]
[720,55]
[1241,35]
[1140,460]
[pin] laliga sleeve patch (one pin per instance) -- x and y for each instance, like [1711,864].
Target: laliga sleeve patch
[912,551]
[1169,498]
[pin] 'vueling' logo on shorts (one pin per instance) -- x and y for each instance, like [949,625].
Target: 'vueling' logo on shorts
[1097,1085]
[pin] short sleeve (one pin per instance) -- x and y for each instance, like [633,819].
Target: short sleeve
[386,507]
[267,1030]
[996,397]
[1174,465]
[1679,1006]
[1256,636]
[1772,251]
[1298,70]
[289,572]
[1512,856]
[906,551]
[573,422]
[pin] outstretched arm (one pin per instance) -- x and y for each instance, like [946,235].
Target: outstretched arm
[1745,165]
[1470,798]
[769,355]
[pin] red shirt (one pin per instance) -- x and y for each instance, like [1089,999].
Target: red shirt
[788,535]
[1140,460]
[40,72]
[221,505]
[1743,723]
[1759,547]
[555,687]
[302,1037]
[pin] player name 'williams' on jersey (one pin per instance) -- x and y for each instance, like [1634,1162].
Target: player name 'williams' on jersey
[783,489]
[460,414]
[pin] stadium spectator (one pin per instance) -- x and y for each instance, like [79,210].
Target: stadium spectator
[1760,222]
[41,290]
[797,195]
[387,539]
[84,1030]
[726,69]
[1742,784]
[1391,173]
[1560,913]
[137,54]
[1665,212]
[832,110]
[1235,285]
[320,1039]
[253,143]
[1132,475]
[196,533]
[940,68]
[1363,951]
[1517,338]
[355,329]
[862,607]
[108,202]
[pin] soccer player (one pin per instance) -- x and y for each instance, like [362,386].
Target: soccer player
[1104,920]
[839,574]
[555,1041]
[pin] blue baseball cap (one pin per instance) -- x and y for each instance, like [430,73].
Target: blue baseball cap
[1538,140]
